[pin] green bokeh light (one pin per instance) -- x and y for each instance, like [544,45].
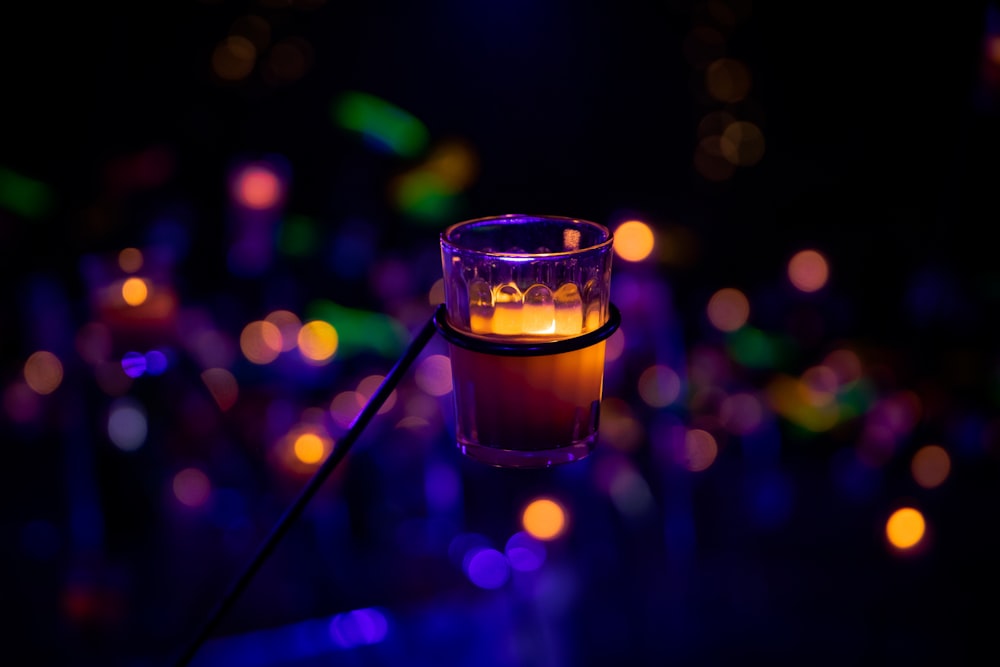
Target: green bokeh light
[381,121]
[361,330]
[24,196]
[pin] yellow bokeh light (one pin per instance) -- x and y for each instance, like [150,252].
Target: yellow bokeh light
[135,291]
[808,270]
[728,309]
[318,341]
[544,519]
[309,448]
[930,466]
[634,241]
[43,372]
[905,528]
[130,260]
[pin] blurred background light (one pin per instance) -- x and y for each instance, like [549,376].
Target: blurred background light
[544,519]
[930,466]
[905,528]
[634,240]
[808,270]
[487,568]
[130,259]
[233,58]
[222,385]
[135,291]
[128,424]
[261,342]
[728,309]
[699,452]
[24,195]
[727,80]
[43,372]
[366,389]
[524,552]
[384,125]
[192,487]
[433,374]
[257,187]
[317,341]
[659,386]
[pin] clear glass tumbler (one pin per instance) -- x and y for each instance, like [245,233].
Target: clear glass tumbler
[527,307]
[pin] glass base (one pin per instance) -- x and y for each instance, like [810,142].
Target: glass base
[527,458]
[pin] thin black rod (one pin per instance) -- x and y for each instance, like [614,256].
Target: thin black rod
[373,405]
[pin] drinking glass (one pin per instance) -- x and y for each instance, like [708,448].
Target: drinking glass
[527,316]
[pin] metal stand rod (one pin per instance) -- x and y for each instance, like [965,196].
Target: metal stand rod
[373,405]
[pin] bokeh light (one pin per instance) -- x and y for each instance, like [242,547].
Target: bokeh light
[742,143]
[358,627]
[134,364]
[544,519]
[345,406]
[700,450]
[257,186]
[808,270]
[192,487]
[135,291]
[43,372]
[130,260]
[309,448]
[384,124]
[524,552]
[727,80]
[433,374]
[317,341]
[728,309]
[233,58]
[261,342]
[659,385]
[487,568]
[905,528]
[930,466]
[634,240]
[288,324]
[222,385]
[127,425]
[367,388]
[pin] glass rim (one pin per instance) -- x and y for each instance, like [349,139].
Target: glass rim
[512,218]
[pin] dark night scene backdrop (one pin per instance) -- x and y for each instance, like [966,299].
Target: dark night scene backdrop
[219,232]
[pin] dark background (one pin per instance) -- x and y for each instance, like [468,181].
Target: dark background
[881,135]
